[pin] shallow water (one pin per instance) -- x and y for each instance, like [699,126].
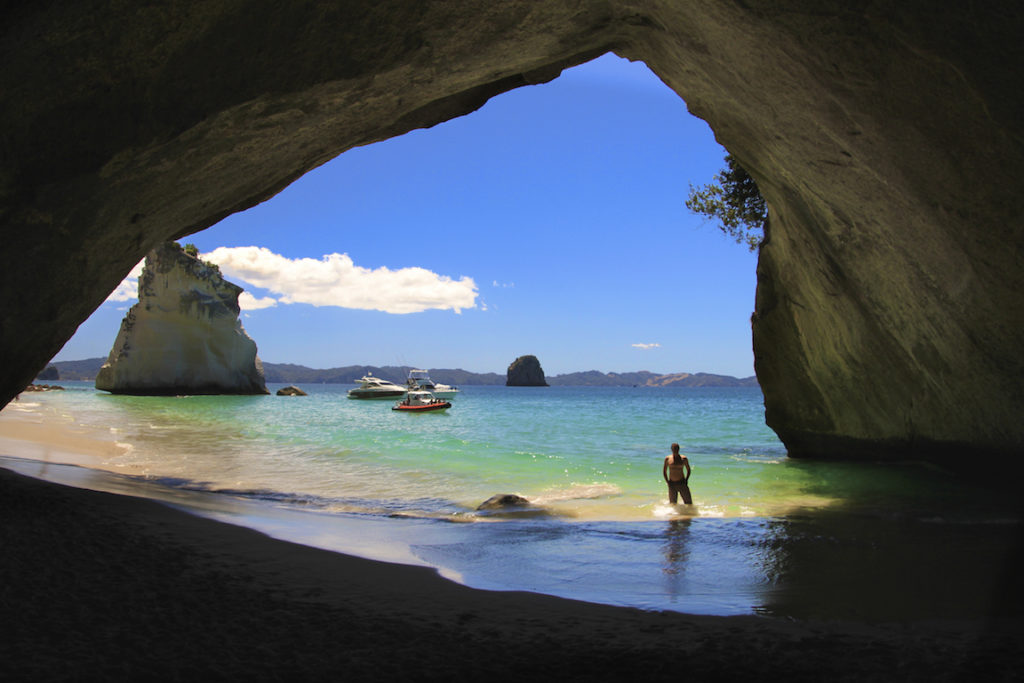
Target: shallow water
[766,534]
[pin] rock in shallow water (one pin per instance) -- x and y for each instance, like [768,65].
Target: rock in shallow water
[510,505]
[502,501]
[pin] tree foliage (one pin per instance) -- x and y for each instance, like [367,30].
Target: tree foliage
[735,202]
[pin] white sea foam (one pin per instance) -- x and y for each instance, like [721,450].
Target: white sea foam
[668,511]
[22,406]
[577,492]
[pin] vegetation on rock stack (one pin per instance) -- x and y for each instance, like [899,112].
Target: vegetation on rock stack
[193,251]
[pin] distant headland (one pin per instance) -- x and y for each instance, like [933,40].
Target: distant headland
[288,373]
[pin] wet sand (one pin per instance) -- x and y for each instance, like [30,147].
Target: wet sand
[101,586]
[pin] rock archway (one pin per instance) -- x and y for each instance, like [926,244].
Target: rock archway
[887,140]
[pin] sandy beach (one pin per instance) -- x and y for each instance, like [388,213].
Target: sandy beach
[103,586]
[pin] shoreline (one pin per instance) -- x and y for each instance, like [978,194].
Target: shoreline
[26,431]
[100,582]
[36,431]
[49,447]
[127,587]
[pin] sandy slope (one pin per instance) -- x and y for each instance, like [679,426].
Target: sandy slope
[128,588]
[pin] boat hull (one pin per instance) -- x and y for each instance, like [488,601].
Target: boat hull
[430,408]
[372,395]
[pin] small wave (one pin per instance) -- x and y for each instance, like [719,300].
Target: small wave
[536,456]
[418,508]
[268,495]
[667,511]
[757,457]
[578,492]
[282,498]
[22,406]
[179,483]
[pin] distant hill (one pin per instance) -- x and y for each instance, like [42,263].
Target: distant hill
[594,378]
[50,372]
[78,369]
[296,374]
[289,373]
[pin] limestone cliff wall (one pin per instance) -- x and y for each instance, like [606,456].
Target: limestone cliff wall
[184,335]
[888,139]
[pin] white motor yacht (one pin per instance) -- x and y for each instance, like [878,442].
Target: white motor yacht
[371,387]
[420,380]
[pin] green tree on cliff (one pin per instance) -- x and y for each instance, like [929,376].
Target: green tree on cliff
[735,202]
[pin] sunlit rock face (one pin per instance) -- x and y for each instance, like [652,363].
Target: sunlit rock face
[183,336]
[887,139]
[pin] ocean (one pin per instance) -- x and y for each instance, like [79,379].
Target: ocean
[766,534]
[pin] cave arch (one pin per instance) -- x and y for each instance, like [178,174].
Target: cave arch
[887,142]
[534,189]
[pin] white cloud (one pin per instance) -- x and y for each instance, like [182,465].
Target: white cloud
[334,280]
[646,346]
[504,285]
[128,290]
[247,302]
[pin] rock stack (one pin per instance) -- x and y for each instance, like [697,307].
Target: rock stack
[525,371]
[184,335]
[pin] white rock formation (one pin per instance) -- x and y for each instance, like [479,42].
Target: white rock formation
[184,335]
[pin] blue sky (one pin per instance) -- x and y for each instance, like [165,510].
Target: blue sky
[550,222]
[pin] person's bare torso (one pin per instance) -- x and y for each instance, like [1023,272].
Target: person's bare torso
[676,470]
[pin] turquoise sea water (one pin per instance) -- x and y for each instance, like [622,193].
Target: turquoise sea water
[766,534]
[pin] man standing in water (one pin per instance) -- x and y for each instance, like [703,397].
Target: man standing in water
[677,473]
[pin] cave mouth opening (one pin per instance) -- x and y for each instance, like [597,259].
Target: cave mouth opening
[511,222]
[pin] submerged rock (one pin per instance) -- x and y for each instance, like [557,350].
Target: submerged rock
[184,335]
[44,387]
[501,501]
[291,390]
[510,505]
[525,371]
